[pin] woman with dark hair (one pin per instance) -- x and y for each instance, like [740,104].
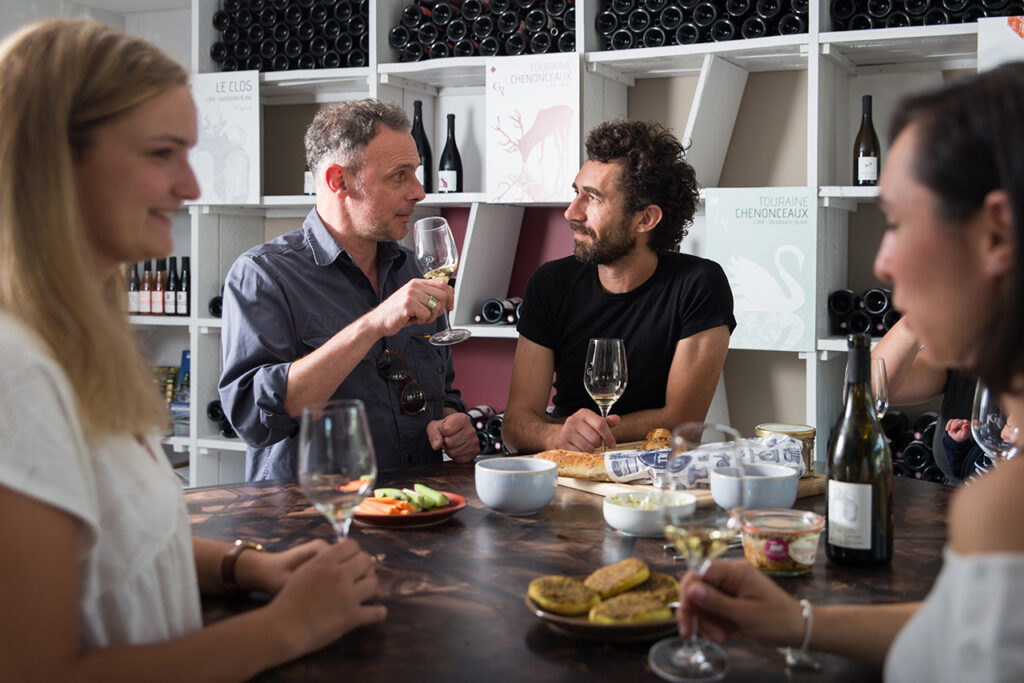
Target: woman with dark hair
[953,194]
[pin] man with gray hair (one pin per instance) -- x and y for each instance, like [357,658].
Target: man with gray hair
[338,309]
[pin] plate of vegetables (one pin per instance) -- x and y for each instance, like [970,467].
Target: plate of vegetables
[419,506]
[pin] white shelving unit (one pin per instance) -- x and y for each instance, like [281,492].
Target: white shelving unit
[840,67]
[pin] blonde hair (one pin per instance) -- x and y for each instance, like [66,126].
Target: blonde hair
[59,81]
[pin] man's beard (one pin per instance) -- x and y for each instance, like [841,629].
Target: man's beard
[615,244]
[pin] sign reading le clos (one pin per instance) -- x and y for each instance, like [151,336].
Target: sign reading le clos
[764,238]
[227,157]
[533,127]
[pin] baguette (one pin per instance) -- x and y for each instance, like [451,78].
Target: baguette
[577,465]
[657,438]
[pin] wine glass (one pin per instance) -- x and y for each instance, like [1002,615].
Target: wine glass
[879,386]
[437,255]
[337,466]
[700,534]
[605,374]
[990,427]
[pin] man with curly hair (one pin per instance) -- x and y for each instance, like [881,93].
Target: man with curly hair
[635,198]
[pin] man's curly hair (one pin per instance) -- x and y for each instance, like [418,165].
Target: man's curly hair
[654,171]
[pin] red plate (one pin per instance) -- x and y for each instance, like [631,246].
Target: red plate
[416,519]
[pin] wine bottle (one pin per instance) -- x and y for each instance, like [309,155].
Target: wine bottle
[489,46]
[753,27]
[540,43]
[670,18]
[146,289]
[606,23]
[483,27]
[687,33]
[184,303]
[443,13]
[472,10]
[639,21]
[722,30]
[171,290]
[133,289]
[449,171]
[792,24]
[496,311]
[841,12]
[654,37]
[876,301]
[567,42]
[859,493]
[156,297]
[415,15]
[889,319]
[867,153]
[399,37]
[622,39]
[917,455]
[921,423]
[438,50]
[861,21]
[479,415]
[879,9]
[859,322]
[705,14]
[841,303]
[423,170]
[493,426]
[457,30]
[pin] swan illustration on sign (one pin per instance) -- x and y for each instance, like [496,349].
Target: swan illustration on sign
[766,304]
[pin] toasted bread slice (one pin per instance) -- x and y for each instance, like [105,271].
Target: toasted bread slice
[618,578]
[661,586]
[562,595]
[630,608]
[577,465]
[657,438]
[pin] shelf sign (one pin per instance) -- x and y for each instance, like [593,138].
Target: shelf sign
[226,158]
[533,127]
[765,240]
[1000,40]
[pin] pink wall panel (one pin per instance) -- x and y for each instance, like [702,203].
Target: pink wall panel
[483,366]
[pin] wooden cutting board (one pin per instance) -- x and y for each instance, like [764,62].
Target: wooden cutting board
[811,485]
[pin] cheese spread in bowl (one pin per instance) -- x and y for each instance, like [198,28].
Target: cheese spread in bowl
[639,514]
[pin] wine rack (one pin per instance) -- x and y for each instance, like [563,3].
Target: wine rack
[284,35]
[859,15]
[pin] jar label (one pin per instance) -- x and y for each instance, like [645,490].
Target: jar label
[776,549]
[849,515]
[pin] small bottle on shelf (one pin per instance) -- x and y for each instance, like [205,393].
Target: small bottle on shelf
[156,298]
[146,289]
[133,289]
[449,171]
[171,291]
[423,173]
[867,153]
[184,304]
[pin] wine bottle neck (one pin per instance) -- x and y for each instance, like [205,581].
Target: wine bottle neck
[865,108]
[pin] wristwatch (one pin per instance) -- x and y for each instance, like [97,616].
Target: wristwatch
[227,563]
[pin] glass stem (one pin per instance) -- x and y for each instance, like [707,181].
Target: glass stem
[447,325]
[341,527]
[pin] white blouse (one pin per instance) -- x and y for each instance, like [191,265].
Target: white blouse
[137,575]
[970,627]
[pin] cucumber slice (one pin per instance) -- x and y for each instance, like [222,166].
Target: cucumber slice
[389,493]
[436,498]
[416,499]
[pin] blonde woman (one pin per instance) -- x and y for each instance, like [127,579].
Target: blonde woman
[100,578]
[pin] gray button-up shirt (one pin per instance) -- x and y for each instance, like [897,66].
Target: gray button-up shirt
[285,298]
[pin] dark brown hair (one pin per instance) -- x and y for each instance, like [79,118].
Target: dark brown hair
[654,171]
[970,137]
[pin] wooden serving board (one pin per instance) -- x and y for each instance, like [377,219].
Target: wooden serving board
[811,485]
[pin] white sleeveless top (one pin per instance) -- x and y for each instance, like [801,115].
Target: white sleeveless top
[970,627]
[137,575]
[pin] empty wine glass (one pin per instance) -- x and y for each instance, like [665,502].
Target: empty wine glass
[879,386]
[700,534]
[438,256]
[337,465]
[990,427]
[605,374]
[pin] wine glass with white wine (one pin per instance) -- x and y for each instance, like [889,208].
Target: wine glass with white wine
[990,427]
[337,464]
[700,534]
[605,374]
[438,256]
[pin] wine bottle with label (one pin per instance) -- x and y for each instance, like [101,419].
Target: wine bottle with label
[171,290]
[449,171]
[184,288]
[867,153]
[146,289]
[156,298]
[423,173]
[133,289]
[859,493]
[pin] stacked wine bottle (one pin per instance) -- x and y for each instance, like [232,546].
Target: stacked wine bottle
[857,15]
[432,30]
[870,313]
[279,35]
[487,424]
[625,24]
[911,445]
[499,311]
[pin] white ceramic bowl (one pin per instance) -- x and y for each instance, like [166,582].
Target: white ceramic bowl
[764,486]
[516,485]
[639,514]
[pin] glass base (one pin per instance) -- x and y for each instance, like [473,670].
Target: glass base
[448,337]
[675,659]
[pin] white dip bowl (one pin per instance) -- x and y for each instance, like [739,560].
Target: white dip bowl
[516,485]
[764,486]
[639,514]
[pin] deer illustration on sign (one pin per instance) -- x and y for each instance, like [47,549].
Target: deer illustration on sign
[551,125]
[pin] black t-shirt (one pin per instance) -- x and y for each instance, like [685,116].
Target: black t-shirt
[565,306]
[957,401]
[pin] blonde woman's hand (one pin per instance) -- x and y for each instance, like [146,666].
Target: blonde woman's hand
[326,596]
[268,572]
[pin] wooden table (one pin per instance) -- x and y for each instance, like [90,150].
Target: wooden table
[455,591]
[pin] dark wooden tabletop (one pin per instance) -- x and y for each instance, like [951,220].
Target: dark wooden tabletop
[455,592]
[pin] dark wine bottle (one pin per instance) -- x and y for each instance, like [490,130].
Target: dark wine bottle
[569,19]
[146,289]
[876,301]
[483,27]
[705,14]
[472,10]
[867,154]
[515,44]
[414,15]
[508,22]
[606,23]
[466,48]
[343,11]
[722,30]
[495,311]
[221,20]
[184,303]
[917,455]
[535,20]
[133,289]
[841,12]
[479,415]
[938,16]
[890,318]
[859,493]
[398,37]
[859,322]
[556,8]
[654,37]
[639,21]
[897,20]
[256,34]
[540,43]
[449,171]
[622,39]
[861,21]
[419,135]
[917,8]
[218,52]
[438,50]
[753,27]
[156,296]
[670,18]
[493,426]
[922,421]
[567,42]
[457,30]
[688,33]
[171,288]
[879,8]
[623,7]
[442,13]
[792,24]
[490,46]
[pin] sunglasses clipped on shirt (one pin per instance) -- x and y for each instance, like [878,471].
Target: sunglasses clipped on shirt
[392,366]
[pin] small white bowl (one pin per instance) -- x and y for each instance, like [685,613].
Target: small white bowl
[639,514]
[516,486]
[764,486]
